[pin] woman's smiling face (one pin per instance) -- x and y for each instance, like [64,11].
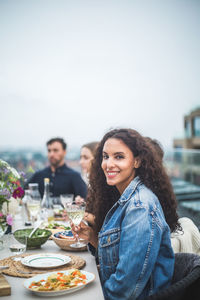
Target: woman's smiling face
[118,164]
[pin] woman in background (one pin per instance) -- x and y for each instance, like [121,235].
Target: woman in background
[156,146]
[87,155]
[134,210]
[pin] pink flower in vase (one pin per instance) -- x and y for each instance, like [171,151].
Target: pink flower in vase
[9,220]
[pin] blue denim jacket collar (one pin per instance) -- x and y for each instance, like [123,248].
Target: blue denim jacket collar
[128,192]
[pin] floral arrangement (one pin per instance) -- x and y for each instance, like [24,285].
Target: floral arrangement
[9,187]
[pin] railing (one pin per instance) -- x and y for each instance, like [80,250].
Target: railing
[183,167]
[183,164]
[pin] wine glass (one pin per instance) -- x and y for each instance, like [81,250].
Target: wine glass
[15,246]
[75,212]
[65,200]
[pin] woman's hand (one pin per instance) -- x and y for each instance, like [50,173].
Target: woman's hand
[89,218]
[85,232]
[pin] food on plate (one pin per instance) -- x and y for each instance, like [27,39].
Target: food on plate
[54,225]
[59,281]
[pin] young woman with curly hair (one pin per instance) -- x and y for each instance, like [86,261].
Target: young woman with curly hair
[135,210]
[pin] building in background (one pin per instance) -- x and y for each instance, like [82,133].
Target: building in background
[185,158]
[183,165]
[192,132]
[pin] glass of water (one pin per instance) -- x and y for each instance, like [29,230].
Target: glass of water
[16,247]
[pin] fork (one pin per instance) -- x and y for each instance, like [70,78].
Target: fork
[4,267]
[23,272]
[27,272]
[35,229]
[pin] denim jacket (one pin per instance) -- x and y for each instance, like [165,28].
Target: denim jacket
[135,254]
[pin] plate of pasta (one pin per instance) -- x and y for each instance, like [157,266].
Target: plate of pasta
[58,283]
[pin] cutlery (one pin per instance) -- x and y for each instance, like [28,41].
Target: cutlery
[34,230]
[4,267]
[28,272]
[23,272]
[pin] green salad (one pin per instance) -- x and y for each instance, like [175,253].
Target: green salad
[55,225]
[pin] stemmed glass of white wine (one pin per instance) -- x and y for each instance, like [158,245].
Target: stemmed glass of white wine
[75,212]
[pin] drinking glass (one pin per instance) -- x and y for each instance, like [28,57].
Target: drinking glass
[34,202]
[15,246]
[34,191]
[66,199]
[33,206]
[55,200]
[76,213]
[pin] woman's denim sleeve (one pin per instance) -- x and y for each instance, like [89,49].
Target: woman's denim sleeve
[139,245]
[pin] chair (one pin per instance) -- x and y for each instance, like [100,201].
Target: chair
[187,240]
[186,280]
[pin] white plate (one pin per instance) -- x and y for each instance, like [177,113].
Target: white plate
[89,278]
[46,260]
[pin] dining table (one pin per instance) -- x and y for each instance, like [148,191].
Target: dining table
[91,291]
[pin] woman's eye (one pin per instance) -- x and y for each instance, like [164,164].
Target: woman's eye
[119,157]
[105,156]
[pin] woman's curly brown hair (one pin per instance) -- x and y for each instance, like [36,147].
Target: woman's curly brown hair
[101,196]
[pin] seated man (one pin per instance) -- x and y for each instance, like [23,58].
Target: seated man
[63,180]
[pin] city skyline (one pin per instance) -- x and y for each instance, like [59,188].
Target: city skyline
[76,69]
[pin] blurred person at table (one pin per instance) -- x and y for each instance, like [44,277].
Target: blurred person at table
[86,158]
[135,211]
[63,180]
[87,155]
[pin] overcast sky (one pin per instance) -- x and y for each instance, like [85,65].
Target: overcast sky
[78,68]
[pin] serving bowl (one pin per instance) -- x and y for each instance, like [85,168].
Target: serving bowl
[39,237]
[64,239]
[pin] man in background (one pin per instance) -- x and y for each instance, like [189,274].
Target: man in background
[63,180]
